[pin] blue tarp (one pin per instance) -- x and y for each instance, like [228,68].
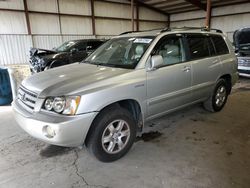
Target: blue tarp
[5,87]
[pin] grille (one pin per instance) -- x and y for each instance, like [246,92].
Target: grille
[245,63]
[27,97]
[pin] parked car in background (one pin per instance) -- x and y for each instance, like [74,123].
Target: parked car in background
[69,52]
[242,50]
[130,80]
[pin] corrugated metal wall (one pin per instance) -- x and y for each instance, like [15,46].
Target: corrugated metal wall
[228,19]
[14,49]
[49,29]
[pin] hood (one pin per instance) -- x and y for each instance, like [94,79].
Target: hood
[71,79]
[242,37]
[39,51]
[46,54]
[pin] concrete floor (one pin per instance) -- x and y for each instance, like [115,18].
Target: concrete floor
[192,148]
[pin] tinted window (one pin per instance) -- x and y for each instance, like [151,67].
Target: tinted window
[199,47]
[171,50]
[211,48]
[220,45]
[93,45]
[80,46]
[65,46]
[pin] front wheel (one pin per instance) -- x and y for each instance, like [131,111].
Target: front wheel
[112,134]
[219,97]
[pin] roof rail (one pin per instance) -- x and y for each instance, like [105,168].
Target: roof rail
[190,28]
[126,32]
[140,31]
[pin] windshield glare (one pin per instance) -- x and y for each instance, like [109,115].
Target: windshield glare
[120,52]
[65,46]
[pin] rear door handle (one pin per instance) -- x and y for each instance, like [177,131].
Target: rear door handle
[186,69]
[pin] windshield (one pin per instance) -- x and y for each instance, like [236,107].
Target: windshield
[120,52]
[65,46]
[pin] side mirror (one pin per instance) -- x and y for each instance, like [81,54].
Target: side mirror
[156,62]
[73,50]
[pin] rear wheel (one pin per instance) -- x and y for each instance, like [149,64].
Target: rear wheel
[112,134]
[219,97]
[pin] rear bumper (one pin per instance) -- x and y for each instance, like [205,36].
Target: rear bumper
[70,131]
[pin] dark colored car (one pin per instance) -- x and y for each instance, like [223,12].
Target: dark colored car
[69,52]
[242,49]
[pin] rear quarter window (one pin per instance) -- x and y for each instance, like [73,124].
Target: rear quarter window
[220,45]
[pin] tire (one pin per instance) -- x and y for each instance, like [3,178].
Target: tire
[105,140]
[218,99]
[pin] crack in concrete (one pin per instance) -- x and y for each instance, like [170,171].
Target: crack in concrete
[80,176]
[8,138]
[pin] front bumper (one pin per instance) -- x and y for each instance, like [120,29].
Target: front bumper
[244,66]
[70,131]
[244,71]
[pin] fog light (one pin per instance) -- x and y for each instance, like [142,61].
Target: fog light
[49,131]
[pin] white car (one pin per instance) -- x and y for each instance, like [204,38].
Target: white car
[242,49]
[107,99]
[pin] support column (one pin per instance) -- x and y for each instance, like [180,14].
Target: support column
[59,16]
[132,15]
[27,16]
[168,23]
[208,17]
[137,17]
[93,17]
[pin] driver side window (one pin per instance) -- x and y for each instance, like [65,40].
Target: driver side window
[80,46]
[171,49]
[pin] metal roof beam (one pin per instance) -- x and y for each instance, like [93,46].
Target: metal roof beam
[142,3]
[197,3]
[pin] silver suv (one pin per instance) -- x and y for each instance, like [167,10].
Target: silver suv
[104,101]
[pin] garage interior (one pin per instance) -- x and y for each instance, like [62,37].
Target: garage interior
[190,148]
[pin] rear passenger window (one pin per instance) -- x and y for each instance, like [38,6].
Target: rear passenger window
[211,48]
[200,47]
[220,45]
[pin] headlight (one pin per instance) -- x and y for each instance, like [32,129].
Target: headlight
[71,105]
[64,105]
[49,103]
[59,104]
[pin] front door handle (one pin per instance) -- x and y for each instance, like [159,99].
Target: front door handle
[186,69]
[215,62]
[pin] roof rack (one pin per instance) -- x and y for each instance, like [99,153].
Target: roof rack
[190,28]
[176,28]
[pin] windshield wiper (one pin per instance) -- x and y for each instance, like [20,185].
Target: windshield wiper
[84,61]
[108,65]
[93,63]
